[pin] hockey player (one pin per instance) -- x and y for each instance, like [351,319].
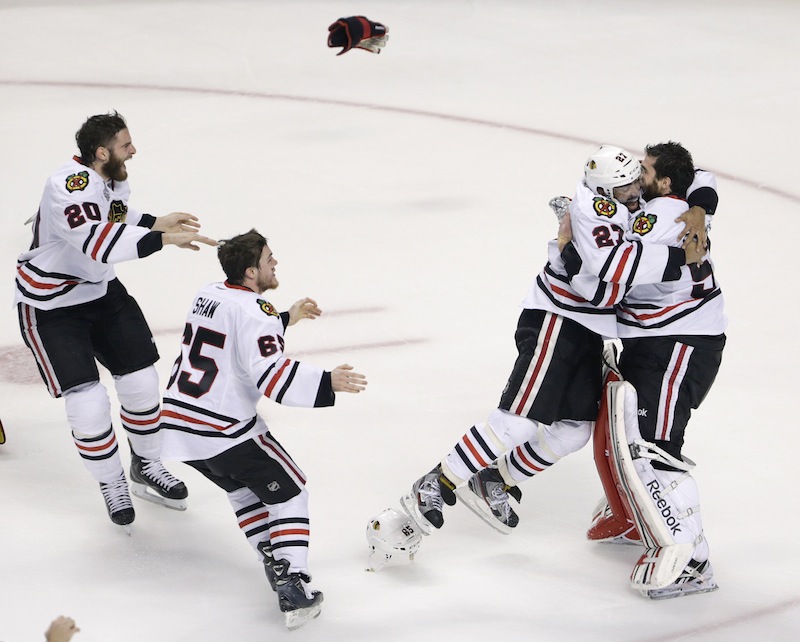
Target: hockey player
[552,395]
[232,357]
[672,336]
[73,311]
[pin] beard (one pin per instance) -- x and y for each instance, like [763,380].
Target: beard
[115,169]
[649,192]
[265,283]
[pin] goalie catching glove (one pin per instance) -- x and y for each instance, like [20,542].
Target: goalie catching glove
[359,32]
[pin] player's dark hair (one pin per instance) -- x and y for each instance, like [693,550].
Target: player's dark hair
[98,131]
[673,160]
[239,253]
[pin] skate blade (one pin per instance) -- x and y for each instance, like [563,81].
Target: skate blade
[679,591]
[297,618]
[143,492]
[409,504]
[479,507]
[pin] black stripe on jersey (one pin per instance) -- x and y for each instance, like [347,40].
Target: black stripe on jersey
[670,319]
[288,383]
[552,273]
[111,244]
[487,451]
[465,459]
[250,509]
[50,275]
[583,309]
[89,238]
[265,375]
[210,432]
[44,297]
[138,431]
[201,411]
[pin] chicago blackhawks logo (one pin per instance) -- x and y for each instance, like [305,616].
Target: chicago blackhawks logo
[77,182]
[604,207]
[267,308]
[644,223]
[117,212]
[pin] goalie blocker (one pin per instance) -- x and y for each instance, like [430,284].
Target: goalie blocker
[663,505]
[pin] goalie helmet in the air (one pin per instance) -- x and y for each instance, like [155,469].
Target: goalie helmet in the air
[610,167]
[390,533]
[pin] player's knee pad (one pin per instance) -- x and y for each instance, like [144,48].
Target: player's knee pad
[510,430]
[88,409]
[138,390]
[664,503]
[566,437]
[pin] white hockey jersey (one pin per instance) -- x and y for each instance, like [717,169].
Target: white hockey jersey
[231,357]
[691,305]
[598,228]
[83,227]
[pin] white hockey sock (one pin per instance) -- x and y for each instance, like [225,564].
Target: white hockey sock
[140,412]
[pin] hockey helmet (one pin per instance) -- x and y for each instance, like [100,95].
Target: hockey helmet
[610,167]
[390,533]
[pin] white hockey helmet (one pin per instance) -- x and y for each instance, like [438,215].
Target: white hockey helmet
[610,167]
[389,533]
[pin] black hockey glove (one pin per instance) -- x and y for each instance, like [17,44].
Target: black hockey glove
[359,32]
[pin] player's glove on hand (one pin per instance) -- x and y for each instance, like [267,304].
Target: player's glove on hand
[359,32]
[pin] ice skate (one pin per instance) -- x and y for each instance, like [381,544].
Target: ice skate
[424,503]
[487,495]
[298,603]
[154,483]
[697,577]
[118,502]
[269,563]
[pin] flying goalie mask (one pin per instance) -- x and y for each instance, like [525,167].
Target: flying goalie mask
[388,534]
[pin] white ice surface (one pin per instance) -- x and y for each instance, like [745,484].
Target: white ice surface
[407,193]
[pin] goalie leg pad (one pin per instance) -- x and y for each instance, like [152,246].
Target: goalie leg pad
[664,504]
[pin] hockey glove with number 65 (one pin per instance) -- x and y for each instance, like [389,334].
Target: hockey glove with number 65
[359,32]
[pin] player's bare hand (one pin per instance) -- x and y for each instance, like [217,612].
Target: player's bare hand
[186,240]
[303,309]
[61,629]
[343,379]
[564,232]
[694,253]
[694,232]
[176,222]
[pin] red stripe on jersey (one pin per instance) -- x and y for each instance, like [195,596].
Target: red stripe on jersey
[289,463]
[612,299]
[670,391]
[42,286]
[140,422]
[621,265]
[475,452]
[191,420]
[254,518]
[276,377]
[106,230]
[290,531]
[104,446]
[547,336]
[645,317]
[526,461]
[567,294]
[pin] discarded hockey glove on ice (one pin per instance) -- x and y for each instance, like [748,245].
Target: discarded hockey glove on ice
[358,32]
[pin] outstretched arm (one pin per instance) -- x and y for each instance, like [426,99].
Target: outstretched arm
[303,309]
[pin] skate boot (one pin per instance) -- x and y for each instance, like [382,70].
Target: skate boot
[487,495]
[697,577]
[269,563]
[151,481]
[424,503]
[298,604]
[118,502]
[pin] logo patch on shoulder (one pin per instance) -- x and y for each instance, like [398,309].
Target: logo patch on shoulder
[604,207]
[644,223]
[117,212]
[77,182]
[267,308]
